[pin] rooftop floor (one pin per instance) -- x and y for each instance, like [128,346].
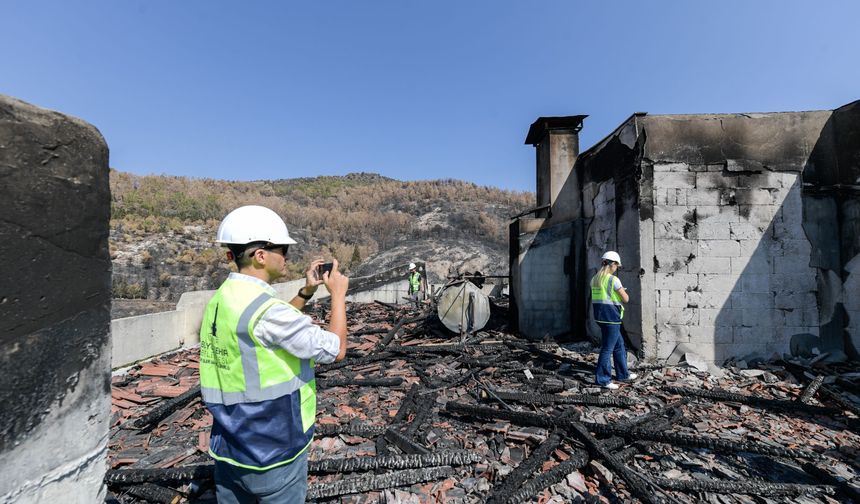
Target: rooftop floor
[417,415]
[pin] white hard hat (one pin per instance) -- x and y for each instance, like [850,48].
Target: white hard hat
[412,266]
[612,256]
[253,223]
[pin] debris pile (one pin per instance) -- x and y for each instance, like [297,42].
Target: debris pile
[417,415]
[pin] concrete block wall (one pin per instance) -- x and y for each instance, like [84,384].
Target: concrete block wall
[732,271]
[544,298]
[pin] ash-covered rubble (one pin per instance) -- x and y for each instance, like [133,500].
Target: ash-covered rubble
[417,415]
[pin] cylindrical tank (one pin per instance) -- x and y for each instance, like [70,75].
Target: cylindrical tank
[463,308]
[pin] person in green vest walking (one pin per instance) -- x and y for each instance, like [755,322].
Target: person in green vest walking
[607,300]
[416,285]
[257,355]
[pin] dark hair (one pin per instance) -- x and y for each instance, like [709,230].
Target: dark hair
[242,252]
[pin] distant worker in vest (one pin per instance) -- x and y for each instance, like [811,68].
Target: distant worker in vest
[416,284]
[257,355]
[607,298]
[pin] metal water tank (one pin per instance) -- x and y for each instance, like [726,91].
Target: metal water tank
[463,308]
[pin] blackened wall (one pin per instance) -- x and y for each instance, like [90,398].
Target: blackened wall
[610,179]
[738,263]
[54,306]
[831,219]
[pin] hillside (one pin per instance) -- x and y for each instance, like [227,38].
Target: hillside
[163,227]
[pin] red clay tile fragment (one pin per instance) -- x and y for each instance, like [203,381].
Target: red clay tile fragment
[155,370]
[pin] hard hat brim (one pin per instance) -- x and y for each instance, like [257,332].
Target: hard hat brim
[287,241]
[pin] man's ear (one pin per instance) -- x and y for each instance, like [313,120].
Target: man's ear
[230,256]
[257,256]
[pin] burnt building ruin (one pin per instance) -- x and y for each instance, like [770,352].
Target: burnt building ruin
[739,233]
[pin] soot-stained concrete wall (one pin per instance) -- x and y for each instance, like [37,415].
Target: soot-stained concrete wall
[733,264]
[831,220]
[54,306]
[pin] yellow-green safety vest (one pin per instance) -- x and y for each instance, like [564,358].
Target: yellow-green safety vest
[263,400]
[606,301]
[414,282]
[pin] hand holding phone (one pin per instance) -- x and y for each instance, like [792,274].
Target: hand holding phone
[324,268]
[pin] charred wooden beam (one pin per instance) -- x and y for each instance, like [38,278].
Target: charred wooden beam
[542,352]
[154,493]
[516,417]
[365,431]
[419,461]
[460,380]
[748,487]
[552,399]
[832,395]
[642,487]
[710,443]
[324,368]
[360,382]
[393,331]
[811,389]
[501,493]
[776,404]
[824,475]
[613,443]
[418,349]
[639,484]
[627,453]
[164,409]
[489,394]
[423,376]
[534,486]
[480,362]
[653,415]
[405,444]
[673,438]
[847,384]
[170,475]
[371,483]
[423,410]
[406,405]
[369,330]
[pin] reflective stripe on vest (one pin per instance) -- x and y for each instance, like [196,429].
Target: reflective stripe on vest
[606,301]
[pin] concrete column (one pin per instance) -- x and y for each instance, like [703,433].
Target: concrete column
[54,307]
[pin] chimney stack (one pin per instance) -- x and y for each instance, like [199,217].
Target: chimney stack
[556,142]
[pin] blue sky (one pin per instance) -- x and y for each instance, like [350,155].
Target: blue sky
[412,90]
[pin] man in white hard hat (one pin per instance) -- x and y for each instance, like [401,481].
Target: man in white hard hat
[257,355]
[416,284]
[607,300]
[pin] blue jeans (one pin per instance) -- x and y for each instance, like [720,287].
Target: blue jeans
[286,484]
[611,343]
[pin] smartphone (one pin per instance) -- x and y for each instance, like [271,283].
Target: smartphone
[323,268]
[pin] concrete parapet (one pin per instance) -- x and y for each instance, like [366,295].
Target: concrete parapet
[141,337]
[144,336]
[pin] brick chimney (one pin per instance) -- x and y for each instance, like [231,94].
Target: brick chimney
[556,142]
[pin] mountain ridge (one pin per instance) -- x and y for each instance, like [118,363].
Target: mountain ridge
[163,227]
